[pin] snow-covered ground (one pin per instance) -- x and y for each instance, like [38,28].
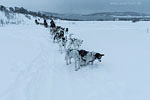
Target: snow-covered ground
[32,68]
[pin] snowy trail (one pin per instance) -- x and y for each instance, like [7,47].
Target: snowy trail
[37,73]
[42,77]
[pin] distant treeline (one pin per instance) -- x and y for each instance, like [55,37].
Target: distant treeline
[107,16]
[24,11]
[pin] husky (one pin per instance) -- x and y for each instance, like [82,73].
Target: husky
[54,30]
[89,57]
[62,43]
[66,30]
[72,53]
[74,43]
[58,36]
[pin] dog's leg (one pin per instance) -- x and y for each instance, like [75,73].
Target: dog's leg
[69,60]
[86,63]
[66,58]
[61,49]
[76,69]
[66,61]
[54,39]
[79,62]
[65,47]
[92,63]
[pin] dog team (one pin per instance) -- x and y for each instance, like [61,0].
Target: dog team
[71,46]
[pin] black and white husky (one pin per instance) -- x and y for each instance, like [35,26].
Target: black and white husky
[62,44]
[58,36]
[89,57]
[72,53]
[54,30]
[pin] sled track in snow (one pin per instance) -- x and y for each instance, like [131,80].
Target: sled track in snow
[31,76]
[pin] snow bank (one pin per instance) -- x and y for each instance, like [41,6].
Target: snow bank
[15,18]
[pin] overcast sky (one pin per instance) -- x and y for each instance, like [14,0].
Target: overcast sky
[81,6]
